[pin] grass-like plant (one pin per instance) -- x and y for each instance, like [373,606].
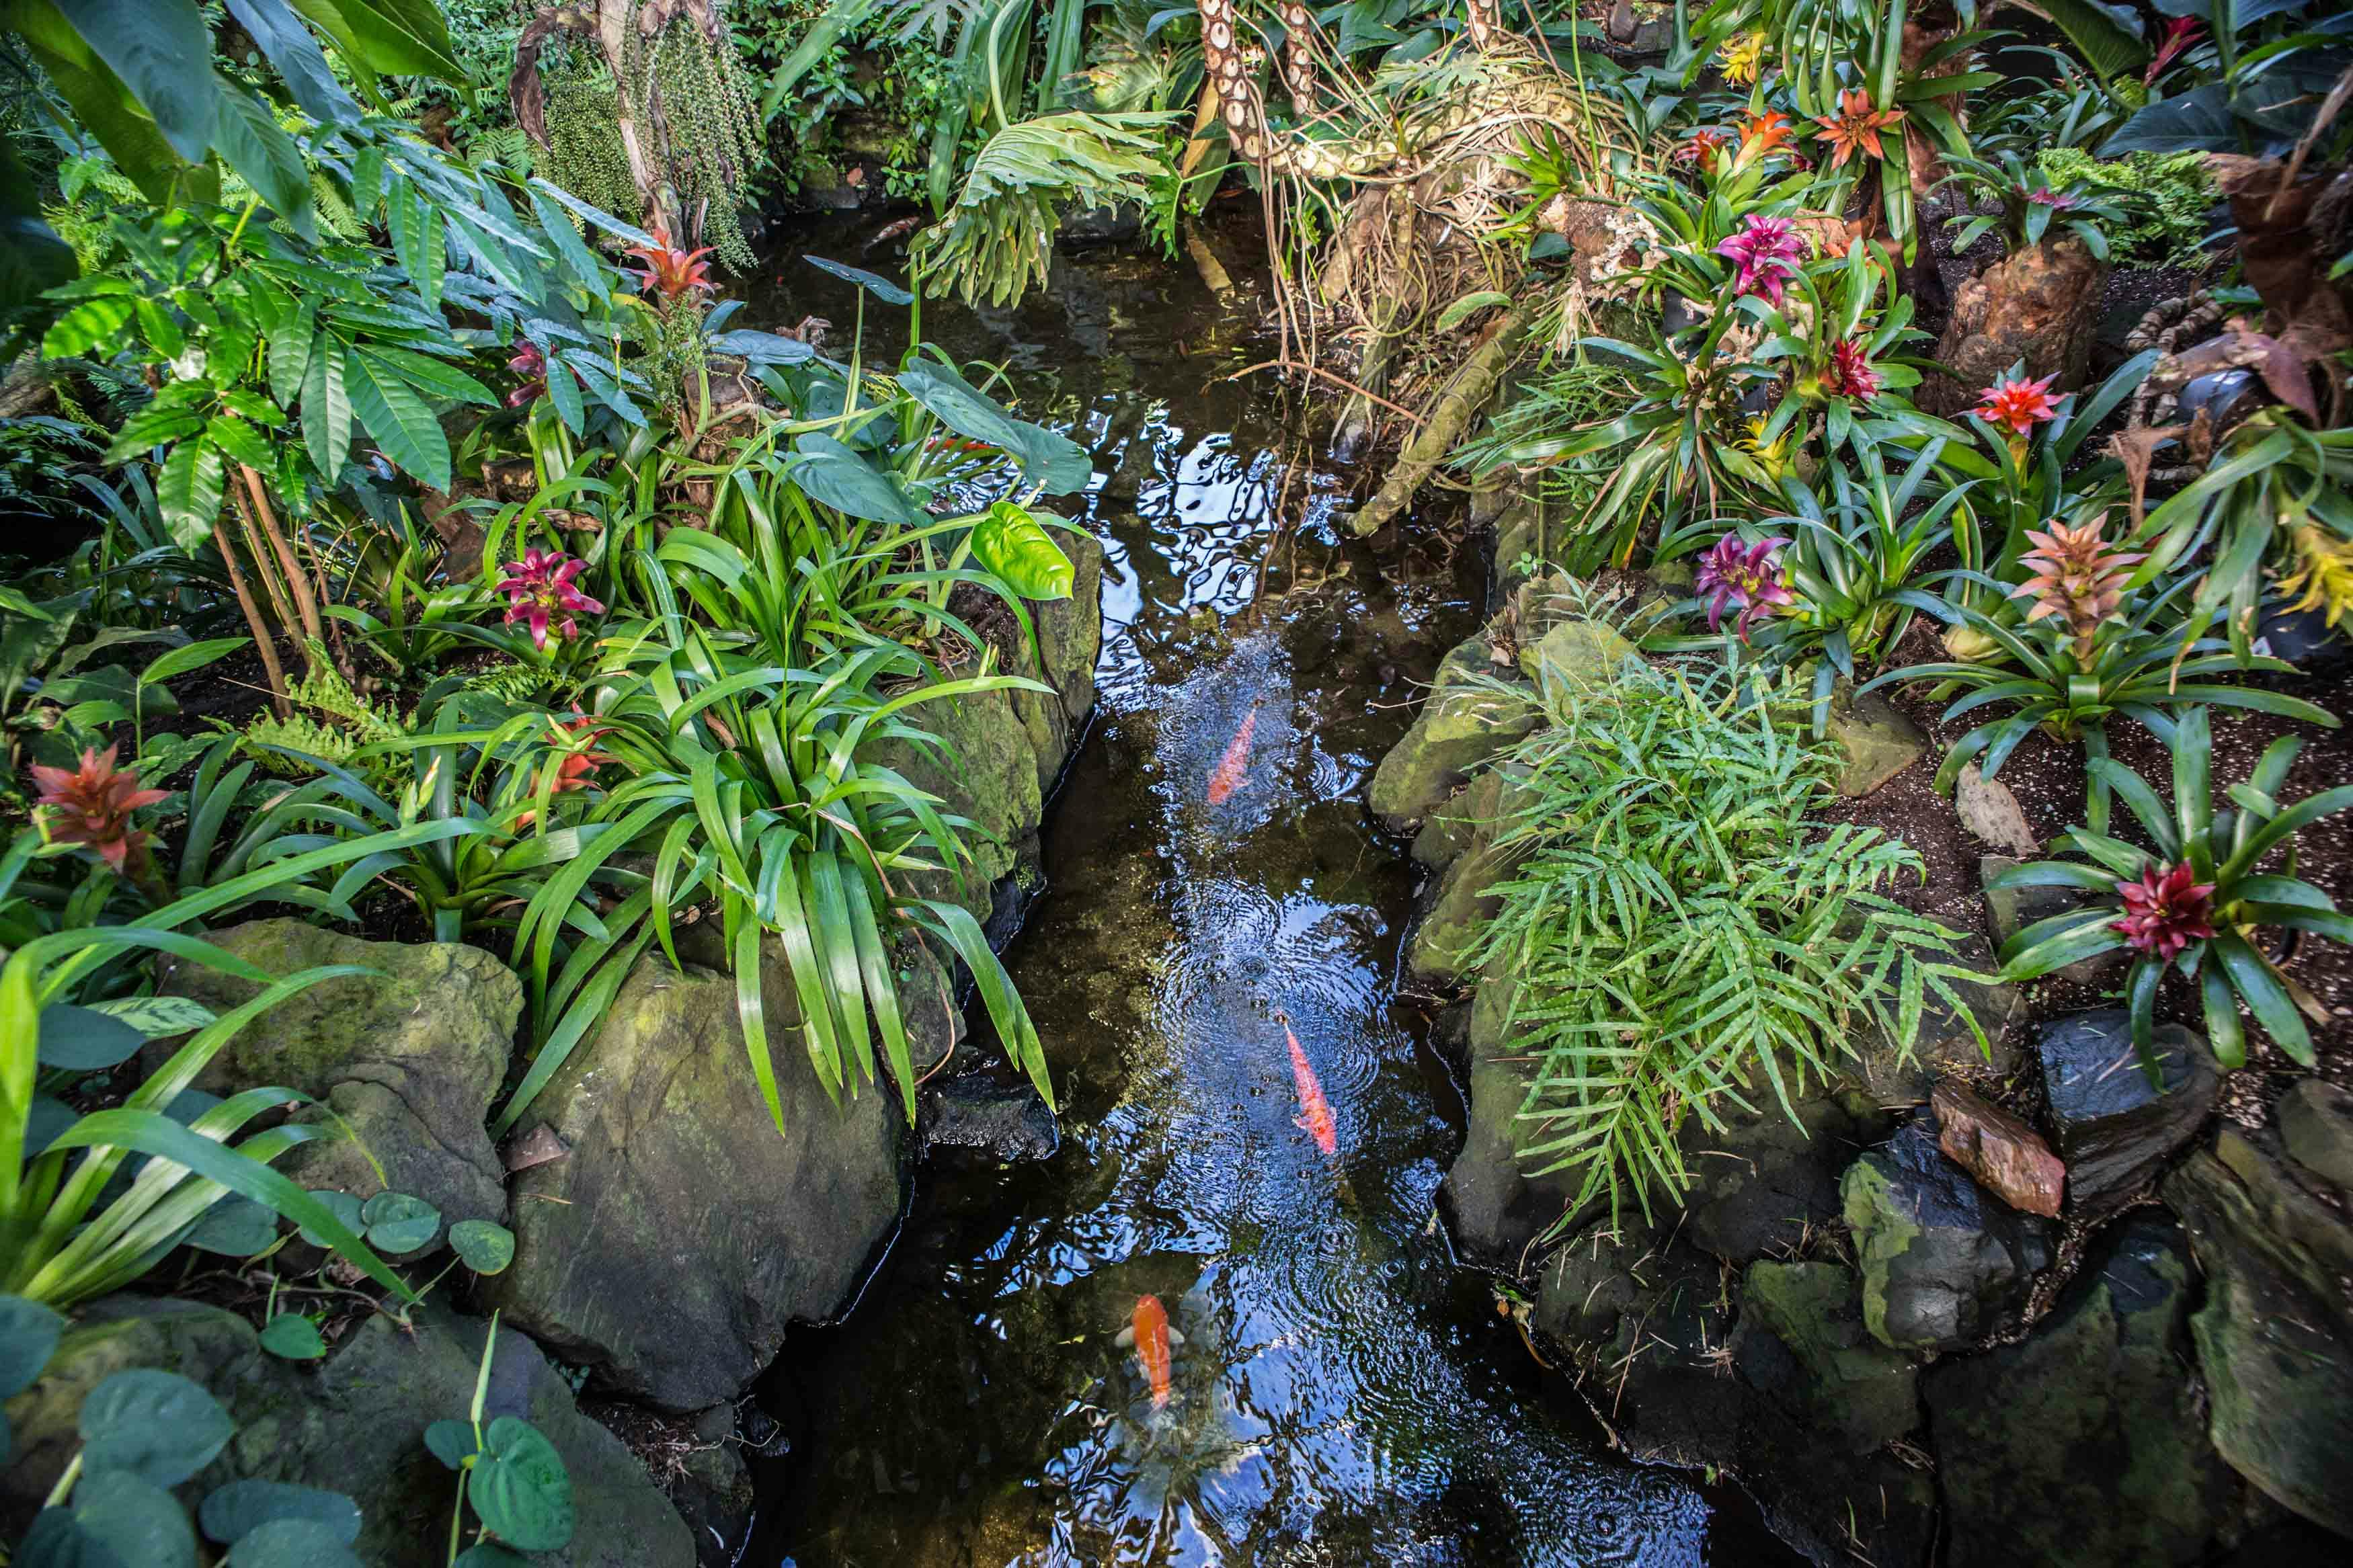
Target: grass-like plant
[2197,901]
[1682,935]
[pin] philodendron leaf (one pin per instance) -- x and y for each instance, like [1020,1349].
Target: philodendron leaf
[81,1039]
[157,1018]
[490,1554]
[520,1488]
[399,1223]
[451,1442]
[832,475]
[1016,546]
[235,1227]
[134,1521]
[290,1336]
[232,1511]
[342,1205]
[484,1246]
[292,1543]
[882,287]
[1054,463]
[29,1337]
[155,1424]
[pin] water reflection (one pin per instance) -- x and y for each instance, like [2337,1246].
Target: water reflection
[1345,1394]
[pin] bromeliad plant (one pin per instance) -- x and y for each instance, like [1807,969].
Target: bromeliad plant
[2031,205]
[2198,902]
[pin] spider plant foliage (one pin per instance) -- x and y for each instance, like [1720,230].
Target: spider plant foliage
[1683,938]
[997,238]
[2198,901]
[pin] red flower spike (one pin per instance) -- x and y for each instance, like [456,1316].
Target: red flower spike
[1851,373]
[92,804]
[2166,911]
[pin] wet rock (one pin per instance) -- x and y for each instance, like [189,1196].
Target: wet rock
[355,1425]
[1992,814]
[1942,1264]
[2275,1335]
[2009,911]
[1762,1182]
[1583,655]
[1496,1205]
[1005,1121]
[1463,724]
[2006,1156]
[1803,1344]
[408,1058]
[712,1491]
[1879,742]
[2113,1127]
[2082,1443]
[1945,1044]
[1452,829]
[672,1246]
[2316,1121]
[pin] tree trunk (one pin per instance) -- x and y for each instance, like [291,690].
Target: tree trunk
[2040,305]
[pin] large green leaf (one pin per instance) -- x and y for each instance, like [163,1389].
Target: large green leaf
[133,1520]
[28,1336]
[234,1511]
[301,65]
[1054,463]
[81,1039]
[87,325]
[188,492]
[104,105]
[1017,549]
[2109,42]
[520,1488]
[326,406]
[156,1424]
[388,406]
[292,1543]
[250,142]
[832,475]
[389,37]
[875,283]
[162,53]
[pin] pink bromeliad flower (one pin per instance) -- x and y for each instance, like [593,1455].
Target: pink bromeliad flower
[1851,373]
[1748,575]
[1768,251]
[2021,404]
[539,589]
[2164,912]
[2180,34]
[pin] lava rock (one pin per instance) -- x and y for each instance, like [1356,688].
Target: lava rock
[407,1058]
[2316,1121]
[2113,1127]
[1992,815]
[355,1425]
[1003,1121]
[2006,1155]
[1942,1267]
[682,1233]
[2275,1335]
[2082,1443]
[1461,725]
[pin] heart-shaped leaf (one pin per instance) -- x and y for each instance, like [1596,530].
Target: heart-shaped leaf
[451,1442]
[135,1520]
[290,1336]
[29,1337]
[234,1511]
[490,1554]
[155,1424]
[762,348]
[235,1227]
[882,287]
[1016,546]
[342,1205]
[520,1488]
[483,1246]
[294,1543]
[1054,463]
[399,1223]
[832,475]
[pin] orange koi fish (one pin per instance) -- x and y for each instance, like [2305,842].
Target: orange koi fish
[1315,1111]
[1234,766]
[1151,1336]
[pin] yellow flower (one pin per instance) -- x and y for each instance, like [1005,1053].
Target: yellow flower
[1772,457]
[1744,58]
[2323,572]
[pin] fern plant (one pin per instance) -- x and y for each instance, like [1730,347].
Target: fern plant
[330,721]
[1682,936]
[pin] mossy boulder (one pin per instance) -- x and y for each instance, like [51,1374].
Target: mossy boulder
[684,1232]
[2275,1335]
[2082,1443]
[1762,1182]
[1495,1203]
[1803,1343]
[354,1423]
[1878,741]
[1943,1262]
[1463,724]
[409,1059]
[1582,655]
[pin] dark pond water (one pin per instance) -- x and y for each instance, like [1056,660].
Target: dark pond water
[1345,1393]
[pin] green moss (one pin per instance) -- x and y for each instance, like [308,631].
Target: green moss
[1883,1233]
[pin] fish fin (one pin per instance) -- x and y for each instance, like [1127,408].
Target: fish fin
[1300,1122]
[1175,1338]
[1124,1339]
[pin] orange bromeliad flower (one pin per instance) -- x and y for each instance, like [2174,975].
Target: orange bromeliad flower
[670,271]
[92,804]
[1856,126]
[1762,135]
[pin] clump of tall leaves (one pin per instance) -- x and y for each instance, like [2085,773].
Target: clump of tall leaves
[1685,939]
[999,237]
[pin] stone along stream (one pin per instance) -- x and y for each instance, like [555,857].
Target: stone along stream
[1343,1393]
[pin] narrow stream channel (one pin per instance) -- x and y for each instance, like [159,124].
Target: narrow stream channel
[1345,1394]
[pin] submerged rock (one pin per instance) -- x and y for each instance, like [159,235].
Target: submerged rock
[355,1425]
[2114,1128]
[1006,1121]
[2082,1443]
[2275,1335]
[408,1058]
[684,1232]
[1942,1265]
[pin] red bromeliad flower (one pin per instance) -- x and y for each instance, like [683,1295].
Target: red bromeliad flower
[2166,911]
[92,804]
[2021,405]
[2180,34]
[578,768]
[1748,575]
[1851,373]
[539,589]
[1768,251]
[670,272]
[530,364]
[2049,198]
[1856,126]
[1703,149]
